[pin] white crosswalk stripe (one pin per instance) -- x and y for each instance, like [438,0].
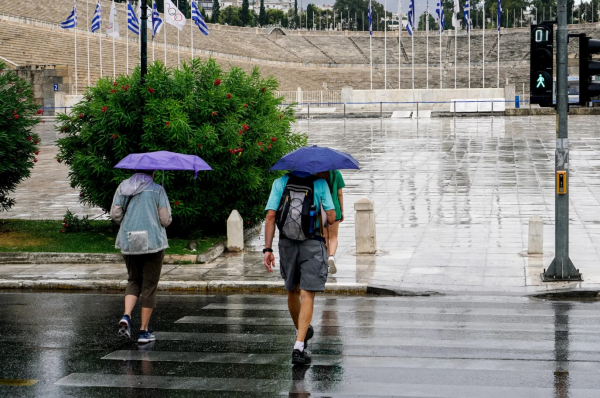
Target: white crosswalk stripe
[406,347]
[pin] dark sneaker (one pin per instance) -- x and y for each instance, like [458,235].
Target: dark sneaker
[146,336]
[300,357]
[125,327]
[309,335]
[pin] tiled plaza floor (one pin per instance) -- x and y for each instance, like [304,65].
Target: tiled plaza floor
[452,197]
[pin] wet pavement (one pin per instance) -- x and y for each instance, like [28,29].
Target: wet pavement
[65,345]
[453,198]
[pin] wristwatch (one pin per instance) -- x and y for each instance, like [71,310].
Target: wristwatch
[267,249]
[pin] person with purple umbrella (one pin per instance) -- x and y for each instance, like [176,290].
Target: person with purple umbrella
[142,209]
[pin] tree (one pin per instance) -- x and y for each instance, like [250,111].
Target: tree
[262,16]
[311,13]
[230,16]
[432,22]
[215,11]
[245,13]
[296,21]
[359,9]
[230,119]
[275,17]
[18,145]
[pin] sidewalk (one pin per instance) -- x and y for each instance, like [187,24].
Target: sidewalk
[452,204]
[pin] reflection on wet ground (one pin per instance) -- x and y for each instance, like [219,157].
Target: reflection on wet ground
[452,200]
[240,346]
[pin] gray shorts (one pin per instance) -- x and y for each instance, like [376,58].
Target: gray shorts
[303,263]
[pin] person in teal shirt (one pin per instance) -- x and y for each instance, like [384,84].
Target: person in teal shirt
[335,181]
[303,263]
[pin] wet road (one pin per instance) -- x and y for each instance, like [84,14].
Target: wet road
[65,345]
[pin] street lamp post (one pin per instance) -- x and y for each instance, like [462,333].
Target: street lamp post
[144,42]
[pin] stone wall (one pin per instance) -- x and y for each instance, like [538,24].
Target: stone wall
[43,78]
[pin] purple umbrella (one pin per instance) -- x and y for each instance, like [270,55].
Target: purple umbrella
[163,160]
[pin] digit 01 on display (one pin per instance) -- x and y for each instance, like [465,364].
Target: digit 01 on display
[541,64]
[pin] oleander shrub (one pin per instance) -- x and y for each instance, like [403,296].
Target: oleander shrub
[18,145]
[231,119]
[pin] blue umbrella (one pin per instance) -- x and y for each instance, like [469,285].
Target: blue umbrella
[314,159]
[163,160]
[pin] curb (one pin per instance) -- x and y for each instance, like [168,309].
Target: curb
[103,258]
[175,286]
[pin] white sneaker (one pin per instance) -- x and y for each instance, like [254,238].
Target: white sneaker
[331,263]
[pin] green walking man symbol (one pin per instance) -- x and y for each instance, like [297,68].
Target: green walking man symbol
[540,82]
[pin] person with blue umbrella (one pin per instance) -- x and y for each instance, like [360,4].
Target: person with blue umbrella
[141,208]
[300,205]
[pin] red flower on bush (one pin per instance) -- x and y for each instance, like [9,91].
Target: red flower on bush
[114,83]
[245,127]
[217,82]
[81,115]
[214,113]
[199,145]
[29,138]
[280,116]
[177,203]
[240,132]
[40,111]
[104,109]
[114,136]
[228,96]
[260,143]
[168,124]
[58,160]
[36,142]
[35,160]
[263,89]
[43,122]
[12,83]
[261,149]
[245,105]
[62,231]
[16,116]
[37,152]
[269,147]
[151,90]
[274,139]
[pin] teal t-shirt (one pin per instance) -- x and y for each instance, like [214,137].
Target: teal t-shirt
[336,182]
[321,194]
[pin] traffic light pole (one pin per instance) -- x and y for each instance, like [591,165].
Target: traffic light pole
[562,269]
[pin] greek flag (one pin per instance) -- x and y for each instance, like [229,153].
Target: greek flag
[97,19]
[411,17]
[197,18]
[157,22]
[439,10]
[370,19]
[71,21]
[133,24]
[466,15]
[499,13]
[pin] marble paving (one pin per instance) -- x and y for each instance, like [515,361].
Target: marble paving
[452,198]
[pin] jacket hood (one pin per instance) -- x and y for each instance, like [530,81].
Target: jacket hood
[135,184]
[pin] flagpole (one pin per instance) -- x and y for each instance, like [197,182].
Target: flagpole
[371,54]
[165,29]
[399,43]
[178,40]
[192,35]
[413,47]
[385,44]
[441,78]
[87,23]
[427,47]
[75,5]
[127,38]
[483,48]
[100,36]
[469,34]
[498,60]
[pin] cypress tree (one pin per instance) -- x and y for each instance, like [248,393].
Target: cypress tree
[262,16]
[215,12]
[245,13]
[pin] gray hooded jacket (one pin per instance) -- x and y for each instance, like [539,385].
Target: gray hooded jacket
[142,209]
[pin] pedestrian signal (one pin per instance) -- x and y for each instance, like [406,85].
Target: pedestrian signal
[587,69]
[541,64]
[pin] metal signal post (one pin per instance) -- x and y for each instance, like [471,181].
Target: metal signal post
[561,269]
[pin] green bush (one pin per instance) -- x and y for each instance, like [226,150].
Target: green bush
[72,223]
[18,145]
[230,119]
